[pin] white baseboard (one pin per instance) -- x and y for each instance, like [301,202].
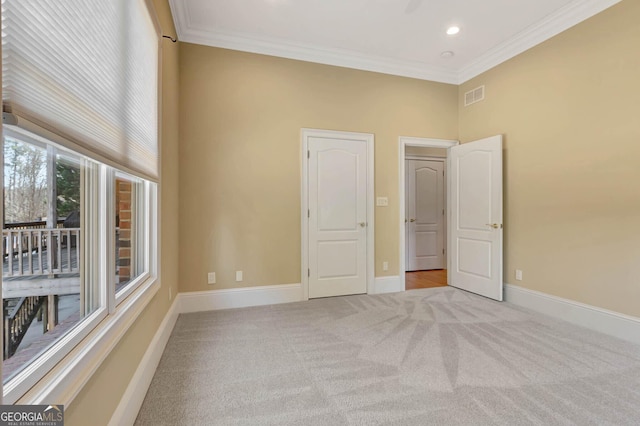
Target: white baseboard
[198,301]
[388,285]
[131,401]
[615,324]
[212,300]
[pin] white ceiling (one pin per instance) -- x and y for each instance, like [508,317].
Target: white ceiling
[401,37]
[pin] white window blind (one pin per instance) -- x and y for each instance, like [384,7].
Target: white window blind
[86,70]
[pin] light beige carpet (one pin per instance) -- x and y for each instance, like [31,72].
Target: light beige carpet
[423,357]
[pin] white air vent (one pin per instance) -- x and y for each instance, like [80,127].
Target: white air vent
[473,96]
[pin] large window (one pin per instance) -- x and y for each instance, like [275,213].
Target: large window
[61,268]
[80,146]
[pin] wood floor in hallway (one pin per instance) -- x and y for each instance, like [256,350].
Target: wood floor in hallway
[426,279]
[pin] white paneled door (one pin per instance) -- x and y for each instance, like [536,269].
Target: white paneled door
[425,224]
[475,237]
[337,216]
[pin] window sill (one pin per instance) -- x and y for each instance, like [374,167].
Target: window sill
[63,383]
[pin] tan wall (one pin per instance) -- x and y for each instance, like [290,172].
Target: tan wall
[569,110]
[240,121]
[100,397]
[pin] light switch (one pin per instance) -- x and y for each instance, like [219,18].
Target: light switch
[382,201]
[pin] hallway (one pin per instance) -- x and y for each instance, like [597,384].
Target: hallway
[426,279]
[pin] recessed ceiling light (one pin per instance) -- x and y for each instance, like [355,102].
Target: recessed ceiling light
[453,30]
[447,54]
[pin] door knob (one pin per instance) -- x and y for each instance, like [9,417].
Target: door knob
[494,225]
[412,220]
[363,224]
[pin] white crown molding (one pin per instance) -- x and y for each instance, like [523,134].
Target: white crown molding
[327,56]
[555,23]
[303,52]
[561,20]
[180,17]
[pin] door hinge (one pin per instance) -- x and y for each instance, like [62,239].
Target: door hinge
[308,154]
[308,272]
[442,251]
[442,212]
[308,213]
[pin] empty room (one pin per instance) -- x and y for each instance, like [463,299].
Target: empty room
[278,212]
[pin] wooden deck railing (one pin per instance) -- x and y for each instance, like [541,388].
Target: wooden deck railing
[17,322]
[38,224]
[41,251]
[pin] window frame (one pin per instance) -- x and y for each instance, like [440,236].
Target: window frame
[142,235]
[61,370]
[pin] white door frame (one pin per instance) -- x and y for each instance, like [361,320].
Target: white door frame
[305,134]
[403,142]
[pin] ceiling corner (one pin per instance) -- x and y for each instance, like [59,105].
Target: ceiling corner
[180,17]
[555,23]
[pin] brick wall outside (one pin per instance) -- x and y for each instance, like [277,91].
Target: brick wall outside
[123,205]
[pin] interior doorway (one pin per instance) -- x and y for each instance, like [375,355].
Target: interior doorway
[474,203]
[425,221]
[423,186]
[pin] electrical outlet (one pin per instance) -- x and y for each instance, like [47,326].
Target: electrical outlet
[385,266]
[211,277]
[518,275]
[238,275]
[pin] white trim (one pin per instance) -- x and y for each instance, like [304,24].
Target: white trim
[428,142]
[305,134]
[403,142]
[304,221]
[552,25]
[391,284]
[133,397]
[198,301]
[612,323]
[561,20]
[321,55]
[421,157]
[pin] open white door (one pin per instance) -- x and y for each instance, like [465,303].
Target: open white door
[475,247]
